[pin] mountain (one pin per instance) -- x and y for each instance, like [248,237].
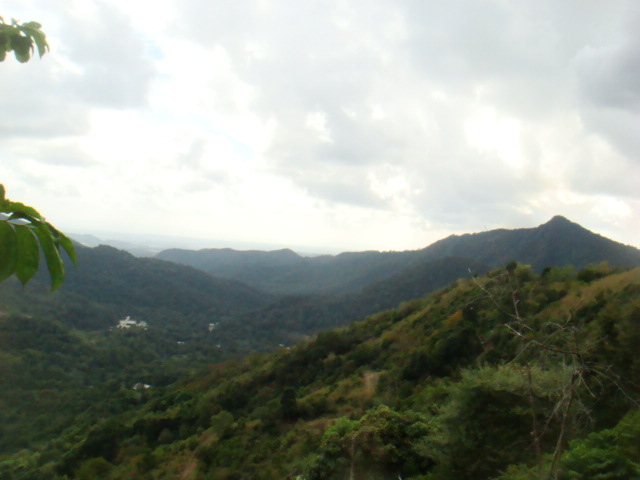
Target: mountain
[81,398]
[284,272]
[555,243]
[315,293]
[464,383]
[109,284]
[295,317]
[116,277]
[338,290]
[62,355]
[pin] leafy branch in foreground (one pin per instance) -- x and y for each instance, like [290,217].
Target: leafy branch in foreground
[23,232]
[20,39]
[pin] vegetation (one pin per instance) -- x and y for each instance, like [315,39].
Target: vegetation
[512,375]
[23,231]
[21,39]
[558,242]
[23,234]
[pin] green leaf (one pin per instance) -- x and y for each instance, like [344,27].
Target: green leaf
[20,208]
[5,45]
[3,193]
[23,216]
[37,35]
[28,257]
[66,243]
[32,25]
[51,255]
[7,250]
[22,47]
[61,240]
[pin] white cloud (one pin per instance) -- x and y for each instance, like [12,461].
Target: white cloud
[363,125]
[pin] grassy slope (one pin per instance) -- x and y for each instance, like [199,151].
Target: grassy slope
[437,387]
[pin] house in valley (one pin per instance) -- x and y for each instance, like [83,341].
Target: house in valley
[130,323]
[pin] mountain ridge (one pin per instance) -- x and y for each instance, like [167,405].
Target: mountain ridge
[555,243]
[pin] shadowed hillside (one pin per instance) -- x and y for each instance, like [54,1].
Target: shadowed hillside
[109,283]
[556,243]
[293,318]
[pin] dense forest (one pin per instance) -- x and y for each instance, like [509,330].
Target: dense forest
[558,242]
[512,375]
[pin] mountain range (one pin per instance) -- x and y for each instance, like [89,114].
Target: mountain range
[555,243]
[262,299]
[80,397]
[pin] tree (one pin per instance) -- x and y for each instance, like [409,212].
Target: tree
[23,231]
[558,356]
[382,444]
[20,38]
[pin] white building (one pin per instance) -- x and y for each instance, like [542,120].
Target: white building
[128,323]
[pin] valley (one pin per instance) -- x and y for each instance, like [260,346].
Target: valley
[274,390]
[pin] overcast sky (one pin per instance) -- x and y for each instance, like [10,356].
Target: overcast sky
[335,125]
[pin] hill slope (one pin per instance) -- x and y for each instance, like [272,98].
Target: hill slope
[112,283]
[458,385]
[287,273]
[556,243]
[293,318]
[61,355]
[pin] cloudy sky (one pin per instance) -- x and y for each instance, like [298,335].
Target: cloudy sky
[329,124]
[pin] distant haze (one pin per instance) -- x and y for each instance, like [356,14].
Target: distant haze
[148,245]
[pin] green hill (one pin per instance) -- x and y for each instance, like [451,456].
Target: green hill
[556,243]
[64,368]
[511,375]
[294,318]
[62,353]
[109,284]
[284,272]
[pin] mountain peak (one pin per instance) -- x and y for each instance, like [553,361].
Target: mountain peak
[559,220]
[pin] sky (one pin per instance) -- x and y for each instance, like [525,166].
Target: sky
[327,125]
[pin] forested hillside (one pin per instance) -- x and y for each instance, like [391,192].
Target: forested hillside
[293,318]
[558,242]
[62,354]
[512,375]
[109,284]
[285,272]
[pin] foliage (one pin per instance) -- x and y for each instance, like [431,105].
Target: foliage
[382,444]
[21,38]
[557,243]
[612,454]
[499,397]
[23,233]
[372,400]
